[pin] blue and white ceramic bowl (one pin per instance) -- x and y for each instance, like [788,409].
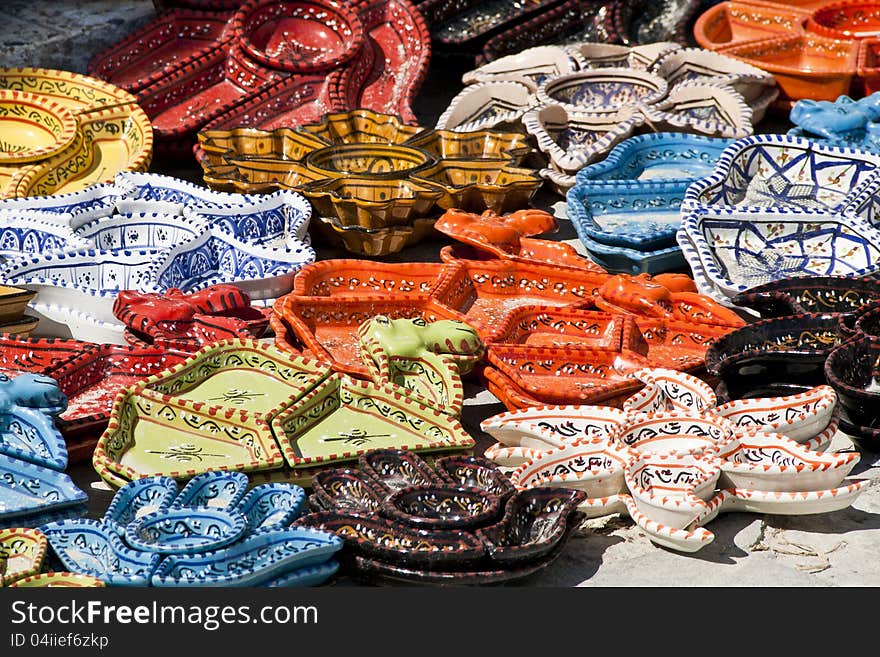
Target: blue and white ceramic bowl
[136,231]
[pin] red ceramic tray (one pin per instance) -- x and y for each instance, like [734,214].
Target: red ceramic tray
[552,326]
[170,43]
[393,64]
[507,392]
[189,321]
[327,326]
[353,278]
[673,345]
[533,251]
[39,355]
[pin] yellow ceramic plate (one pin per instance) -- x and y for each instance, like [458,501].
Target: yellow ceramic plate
[33,127]
[114,134]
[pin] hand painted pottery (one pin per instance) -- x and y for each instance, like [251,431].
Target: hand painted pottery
[319,428]
[549,326]
[268,555]
[442,507]
[499,235]
[139,498]
[29,405]
[851,370]
[92,548]
[729,23]
[771,462]
[397,542]
[56,580]
[786,352]
[32,127]
[709,108]
[593,466]
[175,40]
[808,294]
[478,185]
[572,21]
[669,390]
[534,524]
[372,203]
[397,468]
[805,66]
[27,489]
[798,503]
[22,552]
[496,104]
[602,91]
[480,144]
[647,22]
[464,24]
[216,490]
[343,278]
[271,506]
[798,417]
[845,20]
[348,490]
[193,415]
[531,66]
[675,433]
[185,530]
[474,472]
[546,427]
[739,249]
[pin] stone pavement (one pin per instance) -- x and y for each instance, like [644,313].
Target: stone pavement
[837,549]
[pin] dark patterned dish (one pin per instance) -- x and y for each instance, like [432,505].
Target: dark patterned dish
[475,472]
[349,490]
[648,21]
[810,294]
[853,370]
[442,507]
[396,468]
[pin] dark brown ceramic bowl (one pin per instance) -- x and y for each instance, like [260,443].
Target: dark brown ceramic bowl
[853,370]
[348,490]
[475,472]
[442,507]
[810,294]
[397,468]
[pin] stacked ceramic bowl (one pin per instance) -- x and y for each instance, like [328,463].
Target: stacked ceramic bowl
[459,523]
[213,532]
[578,101]
[149,233]
[377,185]
[846,122]
[779,206]
[60,132]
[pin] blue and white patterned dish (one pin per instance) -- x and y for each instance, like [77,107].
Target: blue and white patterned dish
[156,188]
[91,547]
[655,157]
[256,560]
[74,208]
[27,427]
[140,497]
[272,506]
[139,231]
[779,171]
[29,489]
[739,249]
[701,280]
[308,576]
[632,261]
[185,530]
[26,233]
[635,215]
[485,105]
[711,109]
[602,90]
[218,490]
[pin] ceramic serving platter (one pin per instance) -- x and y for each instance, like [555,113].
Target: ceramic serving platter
[28,489]
[22,552]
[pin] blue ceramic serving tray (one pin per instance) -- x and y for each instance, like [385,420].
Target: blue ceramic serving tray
[251,562]
[91,547]
[138,498]
[218,490]
[632,261]
[308,576]
[845,122]
[185,530]
[272,506]
[26,488]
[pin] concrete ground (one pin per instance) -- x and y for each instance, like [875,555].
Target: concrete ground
[835,549]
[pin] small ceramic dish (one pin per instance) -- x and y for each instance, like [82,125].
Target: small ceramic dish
[672,489]
[173,41]
[397,542]
[213,490]
[505,458]
[478,185]
[271,506]
[254,561]
[602,91]
[22,552]
[551,326]
[349,277]
[447,507]
[675,432]
[499,235]
[614,258]
[360,416]
[531,252]
[730,23]
[810,294]
[669,390]
[348,490]
[531,66]
[698,65]
[594,467]
[282,144]
[370,160]
[783,350]
[329,33]
[868,65]
[707,108]
[185,530]
[771,462]
[845,20]
[547,427]
[33,127]
[797,503]
[372,203]
[798,417]
[397,468]
[372,242]
[357,126]
[805,66]
[139,498]
[535,522]
[512,147]
[739,249]
[31,233]
[92,548]
[572,139]
[487,105]
[851,370]
[27,489]
[474,472]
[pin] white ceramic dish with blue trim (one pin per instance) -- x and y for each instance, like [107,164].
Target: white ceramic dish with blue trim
[141,230]
[140,497]
[712,109]
[215,489]
[25,233]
